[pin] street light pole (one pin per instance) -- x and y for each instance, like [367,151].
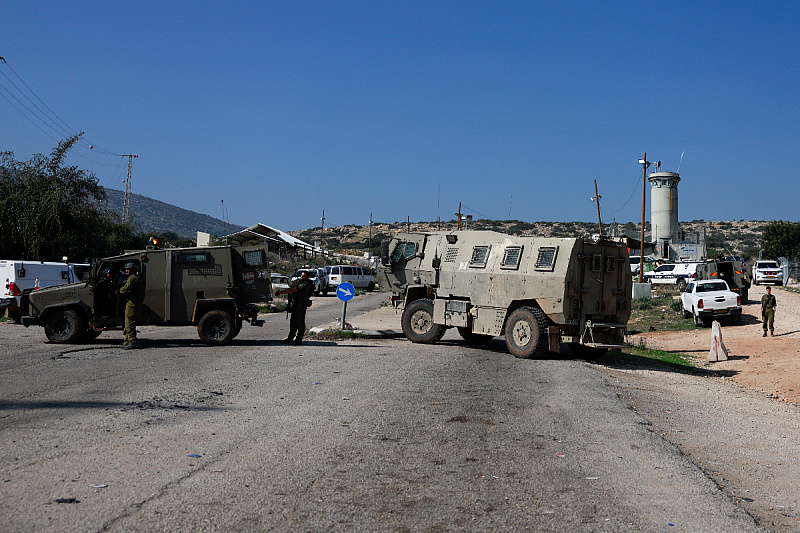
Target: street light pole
[644,164]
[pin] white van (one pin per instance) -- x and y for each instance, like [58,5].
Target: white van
[17,277]
[360,277]
[673,274]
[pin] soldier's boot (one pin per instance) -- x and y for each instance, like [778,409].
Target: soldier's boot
[771,333]
[765,333]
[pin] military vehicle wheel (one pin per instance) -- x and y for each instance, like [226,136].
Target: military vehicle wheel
[65,326]
[216,327]
[745,295]
[586,352]
[371,286]
[473,338]
[418,323]
[526,333]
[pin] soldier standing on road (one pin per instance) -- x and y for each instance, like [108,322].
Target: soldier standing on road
[768,305]
[302,290]
[133,291]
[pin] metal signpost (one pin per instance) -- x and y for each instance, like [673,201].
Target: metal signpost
[345,292]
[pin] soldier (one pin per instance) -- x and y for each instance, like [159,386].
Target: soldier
[133,291]
[768,305]
[301,291]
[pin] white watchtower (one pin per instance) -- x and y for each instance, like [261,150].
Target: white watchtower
[664,209]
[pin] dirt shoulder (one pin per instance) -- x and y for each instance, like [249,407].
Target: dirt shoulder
[737,420]
[770,364]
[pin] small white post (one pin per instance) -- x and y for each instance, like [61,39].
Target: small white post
[718,351]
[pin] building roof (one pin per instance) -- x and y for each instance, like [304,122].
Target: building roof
[259,233]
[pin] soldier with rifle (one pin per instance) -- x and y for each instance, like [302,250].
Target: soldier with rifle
[299,300]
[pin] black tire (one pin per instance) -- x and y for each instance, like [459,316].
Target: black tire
[755,282]
[736,319]
[473,338]
[417,321]
[586,352]
[685,313]
[745,295]
[779,284]
[65,326]
[371,286]
[697,320]
[15,315]
[216,328]
[526,333]
[681,283]
[325,291]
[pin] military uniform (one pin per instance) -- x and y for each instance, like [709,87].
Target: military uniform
[133,291]
[768,304]
[301,299]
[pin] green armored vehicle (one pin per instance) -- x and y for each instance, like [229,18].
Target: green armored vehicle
[540,293]
[214,288]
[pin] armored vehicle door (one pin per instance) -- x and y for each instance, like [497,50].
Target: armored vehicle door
[605,281]
[108,305]
[195,274]
[406,259]
[252,279]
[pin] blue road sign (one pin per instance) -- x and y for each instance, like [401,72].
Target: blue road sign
[345,291]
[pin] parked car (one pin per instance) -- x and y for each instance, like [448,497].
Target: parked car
[673,274]
[706,300]
[767,272]
[360,277]
[648,264]
[320,285]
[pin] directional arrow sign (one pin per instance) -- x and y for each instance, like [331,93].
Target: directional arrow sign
[346,291]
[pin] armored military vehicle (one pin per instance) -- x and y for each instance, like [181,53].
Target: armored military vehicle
[214,288]
[734,272]
[540,293]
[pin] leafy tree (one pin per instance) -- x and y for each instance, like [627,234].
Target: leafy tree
[781,239]
[48,210]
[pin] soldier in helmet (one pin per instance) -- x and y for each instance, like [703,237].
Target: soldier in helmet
[133,291]
[300,299]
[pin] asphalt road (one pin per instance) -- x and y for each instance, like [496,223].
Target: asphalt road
[357,435]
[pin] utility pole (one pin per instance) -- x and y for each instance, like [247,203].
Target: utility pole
[596,198]
[458,220]
[370,235]
[323,221]
[643,161]
[126,203]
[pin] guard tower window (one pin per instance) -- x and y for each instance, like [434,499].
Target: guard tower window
[511,257]
[450,255]
[546,260]
[480,254]
[255,257]
[404,251]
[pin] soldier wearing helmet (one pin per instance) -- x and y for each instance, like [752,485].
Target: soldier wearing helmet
[133,291]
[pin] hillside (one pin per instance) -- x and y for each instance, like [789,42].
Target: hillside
[734,237]
[154,216]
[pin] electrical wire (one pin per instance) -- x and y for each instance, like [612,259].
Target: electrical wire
[43,115]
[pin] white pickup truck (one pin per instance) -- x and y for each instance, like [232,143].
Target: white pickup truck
[706,300]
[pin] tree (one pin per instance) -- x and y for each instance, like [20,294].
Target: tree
[781,239]
[48,210]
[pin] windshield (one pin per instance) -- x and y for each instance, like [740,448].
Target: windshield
[311,273]
[712,287]
[768,264]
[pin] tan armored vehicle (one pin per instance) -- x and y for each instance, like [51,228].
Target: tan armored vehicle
[213,288]
[540,293]
[734,272]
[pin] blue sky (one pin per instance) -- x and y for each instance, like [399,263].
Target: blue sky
[278,110]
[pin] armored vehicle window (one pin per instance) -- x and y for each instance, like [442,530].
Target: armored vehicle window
[450,255]
[511,257]
[546,260]
[192,257]
[403,251]
[479,256]
[255,257]
[611,263]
